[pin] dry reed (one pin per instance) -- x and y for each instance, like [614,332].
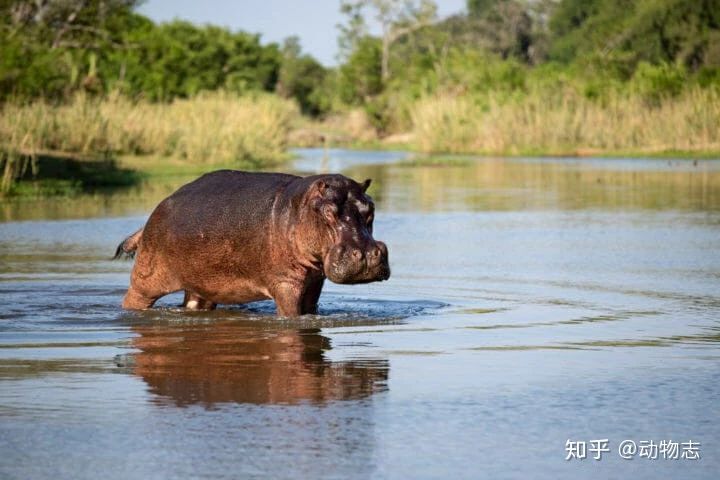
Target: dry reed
[567,123]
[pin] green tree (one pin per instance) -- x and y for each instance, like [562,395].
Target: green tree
[302,77]
[505,27]
[361,76]
[631,31]
[479,8]
[50,48]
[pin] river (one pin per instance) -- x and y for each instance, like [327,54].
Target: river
[532,302]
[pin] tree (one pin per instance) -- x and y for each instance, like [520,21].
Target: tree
[506,27]
[397,18]
[302,77]
[48,48]
[360,76]
[633,31]
[68,23]
[478,8]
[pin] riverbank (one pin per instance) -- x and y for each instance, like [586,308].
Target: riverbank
[541,123]
[48,150]
[69,177]
[207,130]
[62,175]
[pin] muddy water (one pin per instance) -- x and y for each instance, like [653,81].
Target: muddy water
[532,302]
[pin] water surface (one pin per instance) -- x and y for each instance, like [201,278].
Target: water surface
[532,301]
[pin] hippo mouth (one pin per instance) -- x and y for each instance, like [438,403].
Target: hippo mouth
[379,276]
[353,273]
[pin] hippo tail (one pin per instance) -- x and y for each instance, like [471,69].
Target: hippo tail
[128,246]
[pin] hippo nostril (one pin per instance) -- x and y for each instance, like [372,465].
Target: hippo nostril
[376,252]
[357,254]
[382,248]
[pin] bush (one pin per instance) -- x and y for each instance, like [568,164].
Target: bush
[360,77]
[657,82]
[303,78]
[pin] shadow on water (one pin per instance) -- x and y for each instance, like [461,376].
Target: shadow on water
[55,174]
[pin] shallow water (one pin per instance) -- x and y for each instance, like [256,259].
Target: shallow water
[532,302]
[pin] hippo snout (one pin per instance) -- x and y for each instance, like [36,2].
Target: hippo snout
[354,264]
[378,261]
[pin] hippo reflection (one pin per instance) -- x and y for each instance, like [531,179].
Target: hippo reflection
[231,362]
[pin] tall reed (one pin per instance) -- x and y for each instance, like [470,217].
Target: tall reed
[218,128]
[568,123]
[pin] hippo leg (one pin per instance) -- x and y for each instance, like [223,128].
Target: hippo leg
[311,297]
[288,299]
[136,300]
[193,301]
[148,282]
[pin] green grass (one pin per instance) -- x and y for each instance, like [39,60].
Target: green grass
[45,188]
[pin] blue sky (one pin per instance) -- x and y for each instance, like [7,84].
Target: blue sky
[314,21]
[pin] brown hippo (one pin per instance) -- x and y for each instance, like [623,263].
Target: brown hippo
[236,237]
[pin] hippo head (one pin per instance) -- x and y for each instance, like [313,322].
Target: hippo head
[344,214]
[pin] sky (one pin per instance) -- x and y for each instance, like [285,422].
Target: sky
[314,21]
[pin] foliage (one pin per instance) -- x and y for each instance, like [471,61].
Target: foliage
[361,77]
[653,31]
[48,52]
[513,50]
[505,27]
[94,77]
[657,82]
[303,78]
[397,18]
[179,59]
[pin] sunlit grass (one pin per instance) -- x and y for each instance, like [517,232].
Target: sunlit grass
[565,123]
[210,129]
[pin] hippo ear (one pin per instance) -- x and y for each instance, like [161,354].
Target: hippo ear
[317,189]
[366,184]
[316,194]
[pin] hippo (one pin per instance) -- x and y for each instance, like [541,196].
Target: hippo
[233,237]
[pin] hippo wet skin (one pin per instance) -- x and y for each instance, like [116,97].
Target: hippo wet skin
[235,237]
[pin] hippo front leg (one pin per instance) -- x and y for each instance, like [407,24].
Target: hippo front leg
[311,296]
[288,300]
